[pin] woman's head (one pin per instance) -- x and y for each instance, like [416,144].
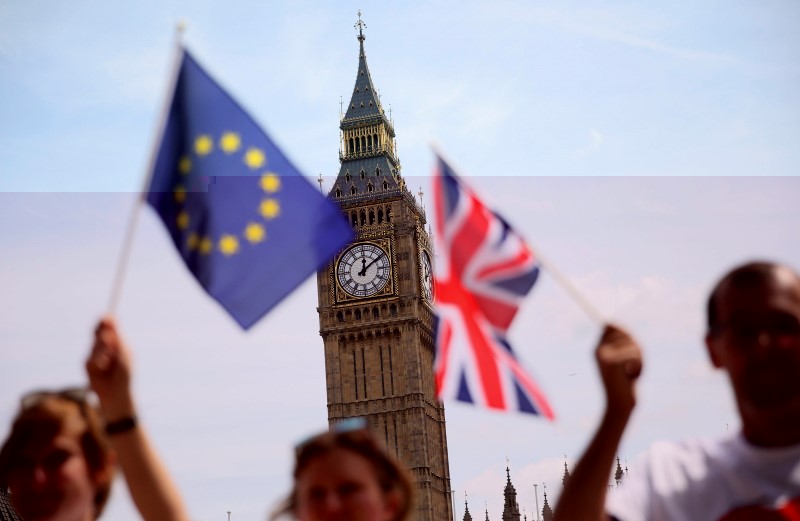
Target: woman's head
[347,475]
[57,461]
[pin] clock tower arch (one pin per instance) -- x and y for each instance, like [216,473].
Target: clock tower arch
[376,303]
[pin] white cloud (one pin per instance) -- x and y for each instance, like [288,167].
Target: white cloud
[595,141]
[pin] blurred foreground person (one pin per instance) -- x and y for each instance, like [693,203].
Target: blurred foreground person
[59,459]
[346,475]
[754,336]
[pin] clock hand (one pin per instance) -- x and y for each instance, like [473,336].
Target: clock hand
[364,271]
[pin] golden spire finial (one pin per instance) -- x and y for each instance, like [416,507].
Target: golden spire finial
[360,25]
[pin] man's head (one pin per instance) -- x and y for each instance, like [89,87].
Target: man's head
[754,334]
[57,461]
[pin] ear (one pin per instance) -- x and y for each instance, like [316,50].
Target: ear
[391,504]
[713,348]
[105,475]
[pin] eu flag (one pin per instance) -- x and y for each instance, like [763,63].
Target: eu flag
[248,224]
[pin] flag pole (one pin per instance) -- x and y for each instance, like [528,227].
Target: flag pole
[122,263]
[571,290]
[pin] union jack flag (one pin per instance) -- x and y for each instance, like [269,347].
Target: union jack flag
[483,271]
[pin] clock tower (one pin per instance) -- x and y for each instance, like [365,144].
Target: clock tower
[376,303]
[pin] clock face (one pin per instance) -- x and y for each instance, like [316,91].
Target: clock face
[426,277]
[363,270]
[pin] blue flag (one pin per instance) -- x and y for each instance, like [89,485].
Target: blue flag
[248,224]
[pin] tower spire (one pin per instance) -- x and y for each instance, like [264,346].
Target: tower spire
[467,515]
[547,512]
[618,474]
[369,167]
[510,506]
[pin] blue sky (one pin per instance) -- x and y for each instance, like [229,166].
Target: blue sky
[539,103]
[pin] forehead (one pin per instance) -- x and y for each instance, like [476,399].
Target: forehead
[777,293]
[336,465]
[39,444]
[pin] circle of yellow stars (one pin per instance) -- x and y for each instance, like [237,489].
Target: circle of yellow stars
[269,208]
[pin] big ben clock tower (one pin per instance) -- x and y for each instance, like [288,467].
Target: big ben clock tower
[375,303]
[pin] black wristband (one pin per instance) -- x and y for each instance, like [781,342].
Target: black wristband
[120,426]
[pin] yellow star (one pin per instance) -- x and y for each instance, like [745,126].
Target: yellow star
[192,241]
[270,182]
[203,145]
[206,245]
[255,233]
[180,194]
[270,208]
[228,244]
[230,142]
[185,165]
[183,220]
[254,158]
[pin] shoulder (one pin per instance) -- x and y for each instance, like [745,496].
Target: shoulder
[667,471]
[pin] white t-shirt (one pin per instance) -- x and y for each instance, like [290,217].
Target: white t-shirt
[710,480]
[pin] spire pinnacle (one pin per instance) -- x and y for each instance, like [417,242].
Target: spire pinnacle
[360,25]
[618,475]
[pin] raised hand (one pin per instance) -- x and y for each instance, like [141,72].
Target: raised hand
[619,360]
[109,369]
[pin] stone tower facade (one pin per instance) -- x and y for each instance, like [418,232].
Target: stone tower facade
[376,303]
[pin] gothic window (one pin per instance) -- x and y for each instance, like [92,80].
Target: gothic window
[355,374]
[366,312]
[347,176]
[352,190]
[370,103]
[350,148]
[357,89]
[362,103]
[363,141]
[366,87]
[354,219]
[362,173]
[340,317]
[338,192]
[364,372]
[375,313]
[383,379]
[380,211]
[377,168]
[385,185]
[377,143]
[389,214]
[391,376]
[369,142]
[396,445]
[370,189]
[363,216]
[357,314]
[393,310]
[371,212]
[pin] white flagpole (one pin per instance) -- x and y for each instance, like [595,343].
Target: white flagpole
[571,290]
[116,288]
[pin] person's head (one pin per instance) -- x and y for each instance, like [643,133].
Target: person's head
[347,475]
[57,461]
[754,335]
